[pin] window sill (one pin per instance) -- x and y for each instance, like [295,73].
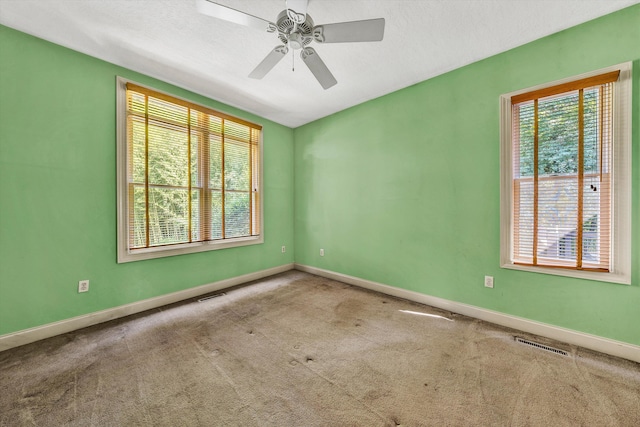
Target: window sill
[578,274]
[126,255]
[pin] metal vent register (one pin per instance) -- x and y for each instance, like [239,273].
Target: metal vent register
[211,297]
[541,346]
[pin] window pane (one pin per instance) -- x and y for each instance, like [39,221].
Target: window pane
[168,216]
[591,130]
[558,135]
[236,166]
[138,227]
[137,140]
[558,218]
[216,215]
[255,221]
[591,222]
[236,206]
[523,205]
[524,139]
[195,155]
[168,155]
[195,216]
[215,162]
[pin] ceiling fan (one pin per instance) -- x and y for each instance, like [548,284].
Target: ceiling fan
[296,31]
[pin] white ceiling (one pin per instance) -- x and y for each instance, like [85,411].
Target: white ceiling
[169,40]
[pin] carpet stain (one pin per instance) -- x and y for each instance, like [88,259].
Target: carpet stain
[349,308]
[322,354]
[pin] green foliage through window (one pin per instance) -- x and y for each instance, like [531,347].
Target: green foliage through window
[193,176]
[564,204]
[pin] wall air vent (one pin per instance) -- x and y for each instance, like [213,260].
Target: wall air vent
[211,297]
[541,346]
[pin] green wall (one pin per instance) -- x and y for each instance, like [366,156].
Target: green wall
[58,191]
[402,190]
[405,189]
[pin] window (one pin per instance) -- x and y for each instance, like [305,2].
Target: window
[565,163]
[189,177]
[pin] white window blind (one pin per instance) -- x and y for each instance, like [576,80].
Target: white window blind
[562,139]
[193,174]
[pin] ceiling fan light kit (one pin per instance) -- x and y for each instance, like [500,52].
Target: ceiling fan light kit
[296,30]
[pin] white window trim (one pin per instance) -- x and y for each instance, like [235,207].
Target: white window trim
[621,183]
[124,253]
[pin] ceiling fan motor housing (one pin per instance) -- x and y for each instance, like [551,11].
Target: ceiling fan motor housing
[295,36]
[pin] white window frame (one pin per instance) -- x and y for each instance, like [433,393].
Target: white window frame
[620,271]
[124,253]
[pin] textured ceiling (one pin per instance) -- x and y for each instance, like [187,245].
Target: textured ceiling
[169,40]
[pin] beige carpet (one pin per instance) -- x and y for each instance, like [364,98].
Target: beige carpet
[300,350]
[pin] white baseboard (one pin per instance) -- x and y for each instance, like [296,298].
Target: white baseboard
[581,339]
[592,342]
[27,336]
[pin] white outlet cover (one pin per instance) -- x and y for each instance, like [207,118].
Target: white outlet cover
[83,286]
[488,281]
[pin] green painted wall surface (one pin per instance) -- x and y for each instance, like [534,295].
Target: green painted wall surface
[58,191]
[402,190]
[405,189]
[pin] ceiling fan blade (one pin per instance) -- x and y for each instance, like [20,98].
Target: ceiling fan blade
[228,14]
[369,30]
[297,10]
[269,62]
[317,67]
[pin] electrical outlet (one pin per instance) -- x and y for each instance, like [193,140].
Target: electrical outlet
[488,281]
[321,252]
[83,286]
[284,249]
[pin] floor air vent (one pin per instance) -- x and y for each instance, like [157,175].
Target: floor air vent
[211,297]
[542,346]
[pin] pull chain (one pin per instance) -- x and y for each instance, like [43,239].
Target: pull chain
[293,60]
